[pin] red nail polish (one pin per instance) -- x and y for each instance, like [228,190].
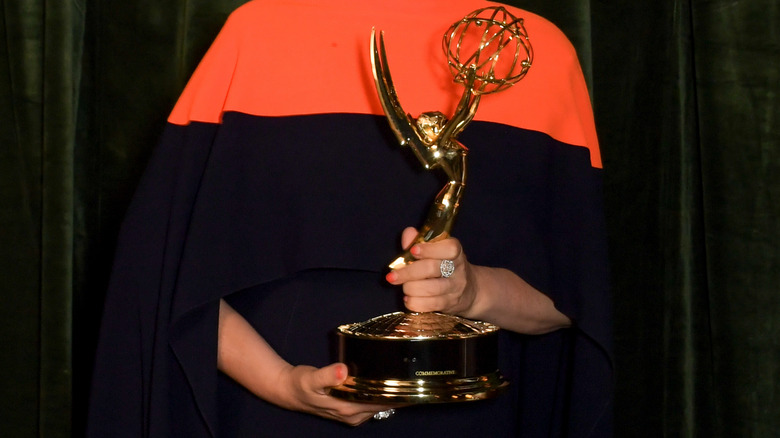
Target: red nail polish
[391,277]
[415,250]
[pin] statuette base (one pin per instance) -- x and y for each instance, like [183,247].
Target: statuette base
[412,358]
[420,391]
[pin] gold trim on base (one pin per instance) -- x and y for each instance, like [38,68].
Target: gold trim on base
[420,391]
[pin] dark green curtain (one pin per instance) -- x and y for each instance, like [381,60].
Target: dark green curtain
[687,101]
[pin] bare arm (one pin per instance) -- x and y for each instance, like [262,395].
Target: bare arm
[247,358]
[506,300]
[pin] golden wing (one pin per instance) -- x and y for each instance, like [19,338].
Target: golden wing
[401,123]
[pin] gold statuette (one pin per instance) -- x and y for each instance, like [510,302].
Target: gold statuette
[407,357]
[487,51]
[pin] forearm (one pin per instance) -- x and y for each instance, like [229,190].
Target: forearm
[246,357]
[503,298]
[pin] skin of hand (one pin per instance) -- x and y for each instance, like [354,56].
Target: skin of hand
[424,288]
[477,292]
[246,357]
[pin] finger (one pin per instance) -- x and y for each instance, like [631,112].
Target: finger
[435,287]
[362,417]
[428,269]
[354,413]
[419,270]
[449,248]
[349,414]
[425,304]
[347,409]
[407,237]
[375,409]
[329,376]
[357,420]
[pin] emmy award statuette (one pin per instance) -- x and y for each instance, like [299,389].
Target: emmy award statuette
[411,358]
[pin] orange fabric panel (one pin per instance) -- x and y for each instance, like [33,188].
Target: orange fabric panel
[281,57]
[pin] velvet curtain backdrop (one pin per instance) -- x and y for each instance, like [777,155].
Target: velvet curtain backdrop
[686,96]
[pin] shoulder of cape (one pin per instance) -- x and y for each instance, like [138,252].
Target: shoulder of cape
[281,58]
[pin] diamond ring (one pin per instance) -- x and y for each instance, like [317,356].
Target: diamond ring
[447,267]
[384,415]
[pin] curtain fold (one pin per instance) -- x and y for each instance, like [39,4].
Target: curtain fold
[62,40]
[20,212]
[686,96]
[41,65]
[686,335]
[738,83]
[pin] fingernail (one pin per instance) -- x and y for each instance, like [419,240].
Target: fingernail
[391,277]
[415,250]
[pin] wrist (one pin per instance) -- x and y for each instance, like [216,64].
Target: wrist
[282,388]
[477,305]
[506,300]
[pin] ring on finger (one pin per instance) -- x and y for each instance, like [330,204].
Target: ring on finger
[447,268]
[384,415]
